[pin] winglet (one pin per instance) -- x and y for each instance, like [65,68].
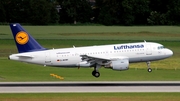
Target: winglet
[24,41]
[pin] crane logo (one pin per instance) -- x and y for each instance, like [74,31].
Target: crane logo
[22,38]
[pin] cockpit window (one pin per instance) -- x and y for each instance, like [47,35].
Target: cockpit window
[161,47]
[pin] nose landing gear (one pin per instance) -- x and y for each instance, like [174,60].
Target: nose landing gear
[148,65]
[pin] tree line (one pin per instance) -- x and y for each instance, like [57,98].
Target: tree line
[106,12]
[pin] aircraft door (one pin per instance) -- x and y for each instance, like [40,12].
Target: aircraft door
[148,50]
[47,58]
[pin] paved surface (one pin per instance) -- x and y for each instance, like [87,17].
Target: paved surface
[104,86]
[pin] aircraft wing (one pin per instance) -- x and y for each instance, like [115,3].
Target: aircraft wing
[94,59]
[88,58]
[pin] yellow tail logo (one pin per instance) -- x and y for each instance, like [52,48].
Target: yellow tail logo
[22,38]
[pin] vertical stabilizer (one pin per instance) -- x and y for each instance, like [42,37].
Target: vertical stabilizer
[24,41]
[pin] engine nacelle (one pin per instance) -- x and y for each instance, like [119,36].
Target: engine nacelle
[121,64]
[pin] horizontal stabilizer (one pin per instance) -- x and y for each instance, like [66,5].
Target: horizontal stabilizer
[25,56]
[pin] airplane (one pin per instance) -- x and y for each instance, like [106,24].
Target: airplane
[115,56]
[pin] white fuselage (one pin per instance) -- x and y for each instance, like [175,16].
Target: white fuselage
[71,57]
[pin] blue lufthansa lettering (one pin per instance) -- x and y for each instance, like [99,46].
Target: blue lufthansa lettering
[128,47]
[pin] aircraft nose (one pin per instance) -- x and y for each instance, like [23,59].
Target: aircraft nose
[9,57]
[169,52]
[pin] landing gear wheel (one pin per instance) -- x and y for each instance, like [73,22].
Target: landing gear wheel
[149,70]
[95,73]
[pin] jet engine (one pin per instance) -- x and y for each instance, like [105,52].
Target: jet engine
[121,64]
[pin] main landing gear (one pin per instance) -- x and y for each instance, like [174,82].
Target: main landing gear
[148,65]
[95,72]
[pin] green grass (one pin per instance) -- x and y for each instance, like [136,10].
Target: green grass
[91,97]
[167,69]
[99,32]
[67,36]
[17,71]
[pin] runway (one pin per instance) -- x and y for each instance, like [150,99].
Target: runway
[79,87]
